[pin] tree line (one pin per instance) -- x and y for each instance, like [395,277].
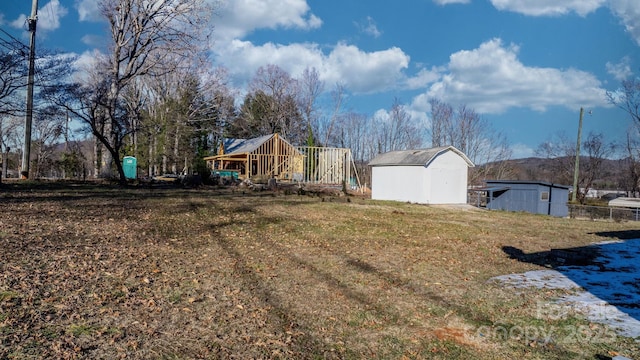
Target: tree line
[154,94]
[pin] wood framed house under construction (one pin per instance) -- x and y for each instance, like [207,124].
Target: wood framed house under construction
[270,156]
[258,159]
[325,165]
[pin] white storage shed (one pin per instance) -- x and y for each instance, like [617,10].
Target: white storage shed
[427,176]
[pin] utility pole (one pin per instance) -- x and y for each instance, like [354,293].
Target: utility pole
[576,169]
[66,146]
[26,154]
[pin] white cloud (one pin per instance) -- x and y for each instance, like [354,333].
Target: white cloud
[549,7]
[48,17]
[369,27]
[359,71]
[620,71]
[629,12]
[491,79]
[424,78]
[240,17]
[365,72]
[88,10]
[50,14]
[521,151]
[20,22]
[93,40]
[242,58]
[86,63]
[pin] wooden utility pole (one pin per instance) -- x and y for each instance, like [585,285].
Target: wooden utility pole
[576,169]
[26,154]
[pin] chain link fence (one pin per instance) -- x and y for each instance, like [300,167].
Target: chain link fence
[603,213]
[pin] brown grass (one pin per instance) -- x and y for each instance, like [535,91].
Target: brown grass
[99,272]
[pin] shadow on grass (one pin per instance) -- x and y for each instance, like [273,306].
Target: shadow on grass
[305,344]
[73,193]
[334,281]
[609,271]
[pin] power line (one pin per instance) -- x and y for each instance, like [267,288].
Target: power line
[14,44]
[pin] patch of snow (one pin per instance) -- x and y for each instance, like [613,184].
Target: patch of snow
[607,292]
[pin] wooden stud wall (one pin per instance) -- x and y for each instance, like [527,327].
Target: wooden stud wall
[326,165]
[276,158]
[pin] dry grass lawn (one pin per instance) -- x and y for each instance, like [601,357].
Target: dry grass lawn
[91,271]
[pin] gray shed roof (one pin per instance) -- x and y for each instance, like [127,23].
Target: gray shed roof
[528,182]
[240,146]
[421,157]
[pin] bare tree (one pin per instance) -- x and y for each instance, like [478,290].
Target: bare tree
[355,132]
[271,106]
[397,131]
[631,182]
[148,38]
[627,98]
[337,96]
[310,88]
[282,111]
[13,74]
[562,151]
[470,133]
[48,130]
[597,152]
[441,122]
[10,131]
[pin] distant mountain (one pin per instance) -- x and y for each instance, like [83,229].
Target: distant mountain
[613,174]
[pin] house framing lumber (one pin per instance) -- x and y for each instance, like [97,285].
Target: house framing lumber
[258,159]
[270,156]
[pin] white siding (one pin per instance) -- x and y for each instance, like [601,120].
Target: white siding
[448,175]
[444,181]
[400,183]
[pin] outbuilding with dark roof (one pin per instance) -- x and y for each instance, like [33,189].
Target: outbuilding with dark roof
[536,197]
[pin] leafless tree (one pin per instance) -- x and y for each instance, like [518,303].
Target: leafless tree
[631,182]
[310,88]
[398,130]
[13,74]
[282,111]
[561,150]
[148,38]
[563,153]
[355,132]
[48,129]
[470,133]
[441,122]
[627,98]
[11,128]
[271,106]
[338,95]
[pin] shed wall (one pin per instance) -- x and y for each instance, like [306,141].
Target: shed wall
[442,181]
[529,198]
[399,183]
[447,179]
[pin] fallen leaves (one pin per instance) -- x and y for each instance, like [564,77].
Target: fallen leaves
[114,273]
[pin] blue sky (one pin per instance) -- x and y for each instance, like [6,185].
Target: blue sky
[526,65]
